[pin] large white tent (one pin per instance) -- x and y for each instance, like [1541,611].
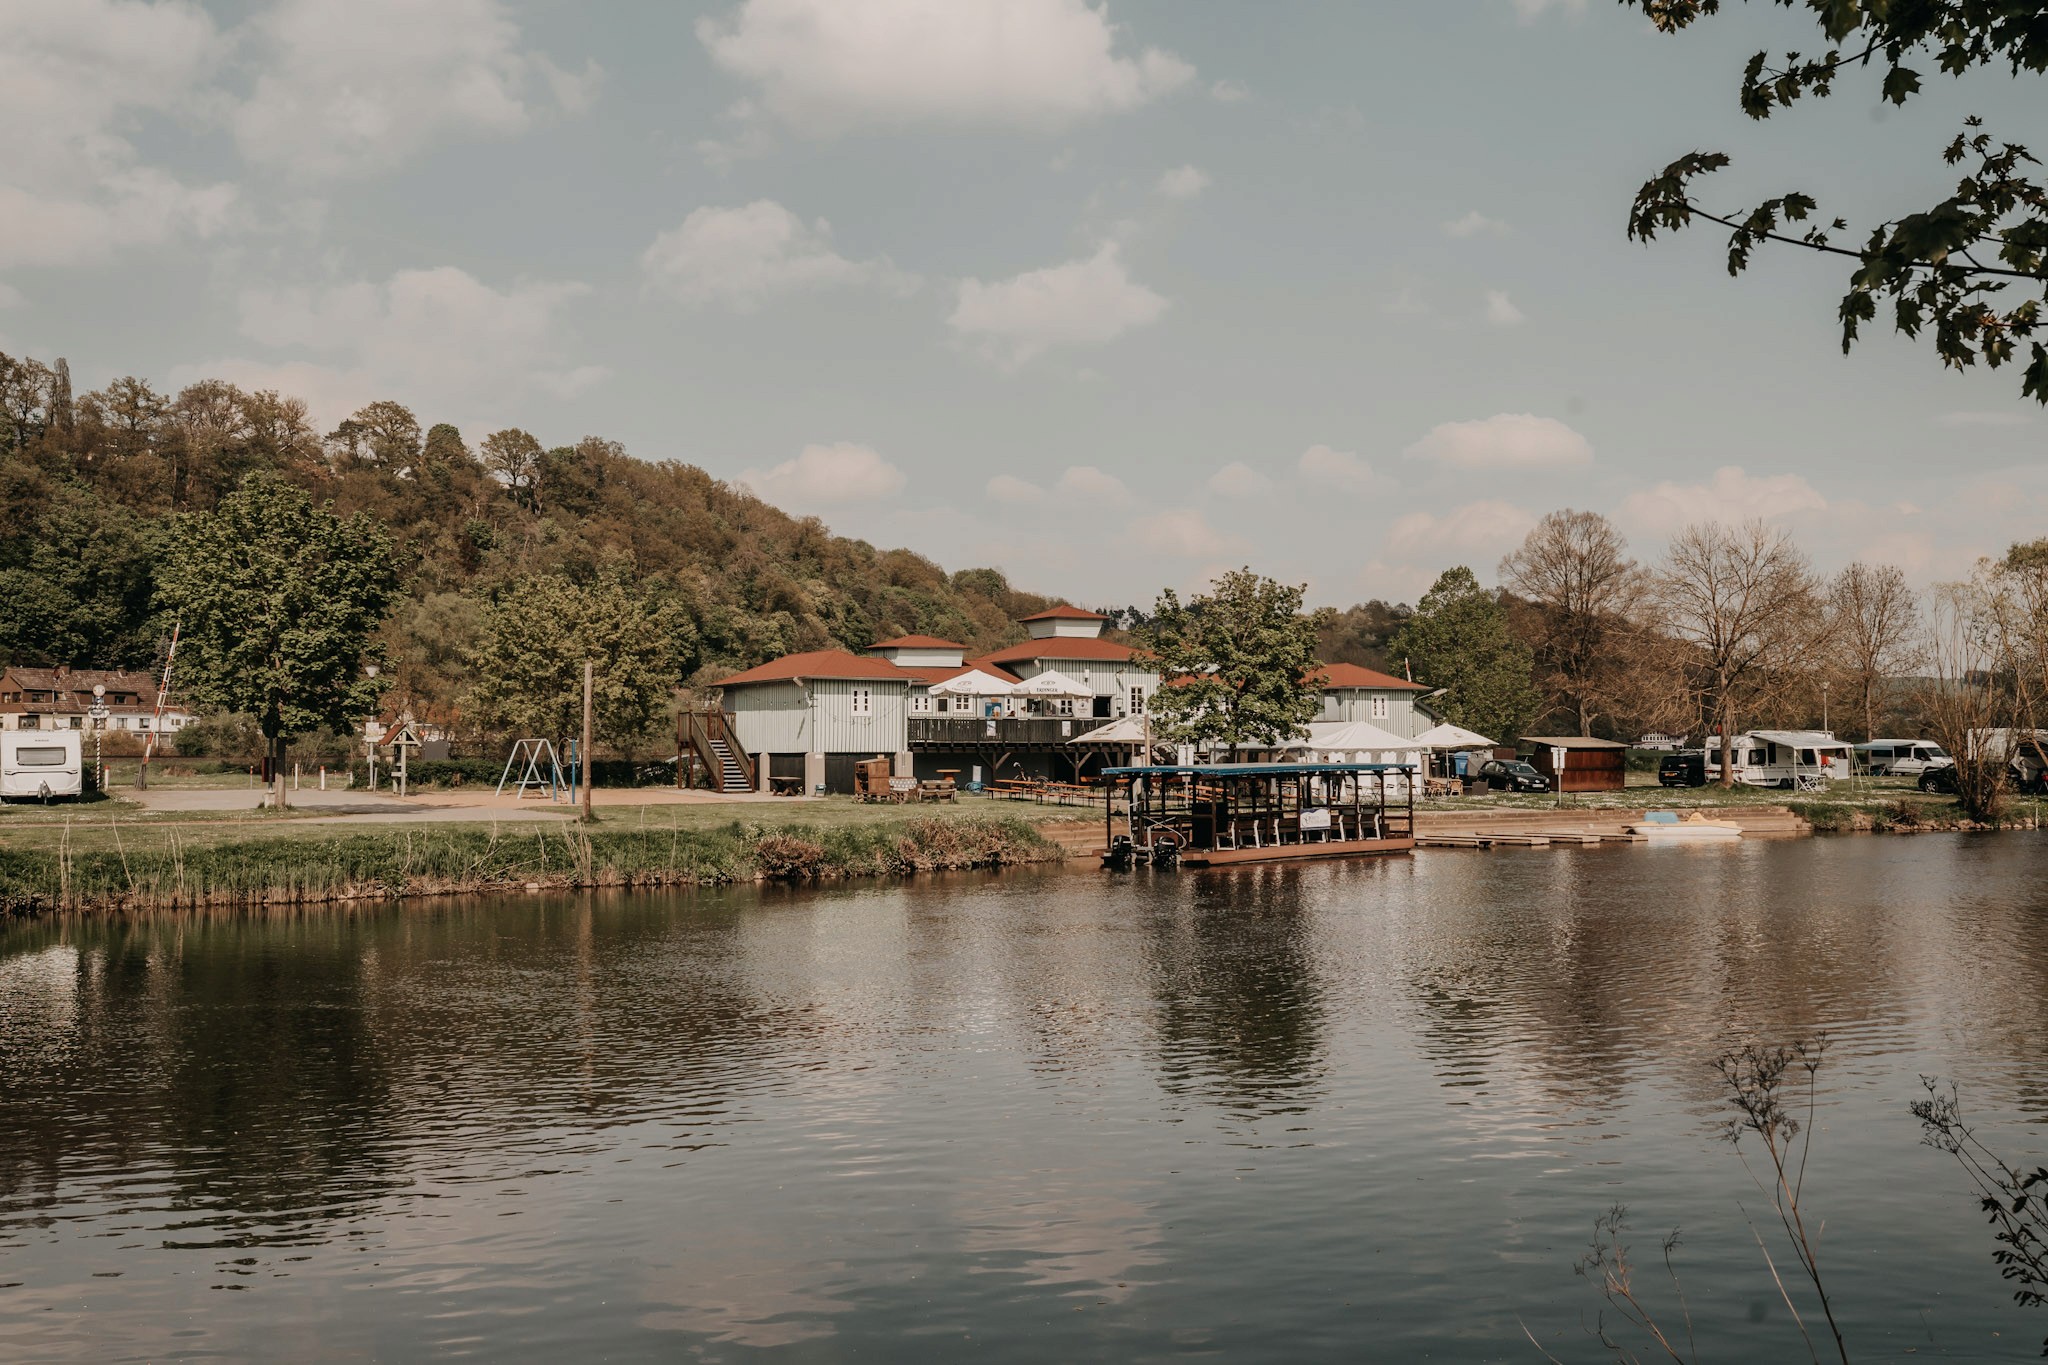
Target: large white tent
[1123,730]
[1357,741]
[1452,738]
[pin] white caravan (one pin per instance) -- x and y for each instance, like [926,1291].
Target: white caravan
[40,764]
[1804,759]
[1903,757]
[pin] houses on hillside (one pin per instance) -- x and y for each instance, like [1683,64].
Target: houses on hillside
[1061,704]
[59,698]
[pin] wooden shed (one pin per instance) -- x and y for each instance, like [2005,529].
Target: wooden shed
[1590,765]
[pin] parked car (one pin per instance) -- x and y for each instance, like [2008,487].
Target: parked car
[1502,775]
[1682,770]
[2026,779]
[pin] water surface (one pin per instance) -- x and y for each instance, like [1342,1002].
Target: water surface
[1351,1111]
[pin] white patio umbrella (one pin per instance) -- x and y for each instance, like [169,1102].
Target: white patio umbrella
[1337,740]
[974,683]
[1449,736]
[1052,684]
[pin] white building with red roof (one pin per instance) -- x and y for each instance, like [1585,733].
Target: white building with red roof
[806,720]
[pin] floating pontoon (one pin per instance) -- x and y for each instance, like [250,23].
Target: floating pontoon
[1212,814]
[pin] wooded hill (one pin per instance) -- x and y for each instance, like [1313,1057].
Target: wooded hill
[92,488]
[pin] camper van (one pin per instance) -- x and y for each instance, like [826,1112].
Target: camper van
[1902,757]
[1801,759]
[39,764]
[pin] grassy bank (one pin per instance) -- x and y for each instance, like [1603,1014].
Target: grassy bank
[107,867]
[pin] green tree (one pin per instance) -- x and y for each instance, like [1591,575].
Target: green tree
[1974,264]
[281,601]
[1241,660]
[534,638]
[1458,639]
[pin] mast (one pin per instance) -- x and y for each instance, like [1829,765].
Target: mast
[163,696]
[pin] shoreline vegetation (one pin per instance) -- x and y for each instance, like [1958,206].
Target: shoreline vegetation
[115,867]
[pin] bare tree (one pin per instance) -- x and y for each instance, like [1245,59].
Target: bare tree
[1965,702]
[1876,622]
[1744,607]
[1583,592]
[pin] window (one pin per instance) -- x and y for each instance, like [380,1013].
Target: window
[1137,701]
[49,756]
[1379,708]
[921,703]
[863,701]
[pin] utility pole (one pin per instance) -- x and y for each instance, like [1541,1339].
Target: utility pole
[583,751]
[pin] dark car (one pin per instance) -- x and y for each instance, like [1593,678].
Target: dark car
[1682,770]
[1943,779]
[1513,777]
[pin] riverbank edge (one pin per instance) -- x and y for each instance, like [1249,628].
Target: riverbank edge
[399,863]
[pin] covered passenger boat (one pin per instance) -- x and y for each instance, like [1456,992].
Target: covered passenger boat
[1212,814]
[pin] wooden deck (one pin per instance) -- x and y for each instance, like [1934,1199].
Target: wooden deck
[1333,848]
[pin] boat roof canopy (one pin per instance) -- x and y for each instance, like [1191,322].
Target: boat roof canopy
[1257,769]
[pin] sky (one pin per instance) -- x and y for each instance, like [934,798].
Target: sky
[1109,296]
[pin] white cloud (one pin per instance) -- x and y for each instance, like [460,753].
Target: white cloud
[740,257]
[1529,11]
[1479,530]
[824,67]
[75,79]
[1239,480]
[1009,488]
[1086,483]
[1087,302]
[437,336]
[1508,440]
[356,86]
[1184,182]
[1501,311]
[1338,469]
[1184,533]
[1475,224]
[1229,92]
[827,474]
[1731,496]
[1984,419]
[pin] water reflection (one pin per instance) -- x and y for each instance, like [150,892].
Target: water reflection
[1275,1111]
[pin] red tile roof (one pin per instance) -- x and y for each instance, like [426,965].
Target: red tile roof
[1064,612]
[1351,675]
[917,642]
[1058,647]
[931,674]
[819,663]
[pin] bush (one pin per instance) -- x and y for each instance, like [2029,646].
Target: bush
[788,858]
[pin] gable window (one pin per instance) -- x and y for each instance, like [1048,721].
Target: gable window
[1379,708]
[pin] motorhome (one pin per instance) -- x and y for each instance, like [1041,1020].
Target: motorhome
[41,764]
[1901,757]
[1801,759]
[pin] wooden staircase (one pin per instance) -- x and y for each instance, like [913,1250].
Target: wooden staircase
[708,735]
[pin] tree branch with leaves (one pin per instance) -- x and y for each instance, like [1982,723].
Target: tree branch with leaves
[1973,266]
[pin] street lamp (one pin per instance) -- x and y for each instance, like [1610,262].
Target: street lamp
[1824,708]
[369,741]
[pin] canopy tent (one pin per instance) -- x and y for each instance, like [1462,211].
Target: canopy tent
[1357,737]
[1124,731]
[1452,737]
[1052,683]
[973,682]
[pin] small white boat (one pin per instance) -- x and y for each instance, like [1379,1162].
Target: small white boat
[1664,826]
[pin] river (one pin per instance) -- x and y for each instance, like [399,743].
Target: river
[1348,1111]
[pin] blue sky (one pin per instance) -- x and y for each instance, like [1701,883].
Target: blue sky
[1121,296]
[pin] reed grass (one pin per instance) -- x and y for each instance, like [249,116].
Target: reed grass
[169,869]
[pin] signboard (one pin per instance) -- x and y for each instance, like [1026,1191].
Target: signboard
[1557,759]
[98,711]
[1315,819]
